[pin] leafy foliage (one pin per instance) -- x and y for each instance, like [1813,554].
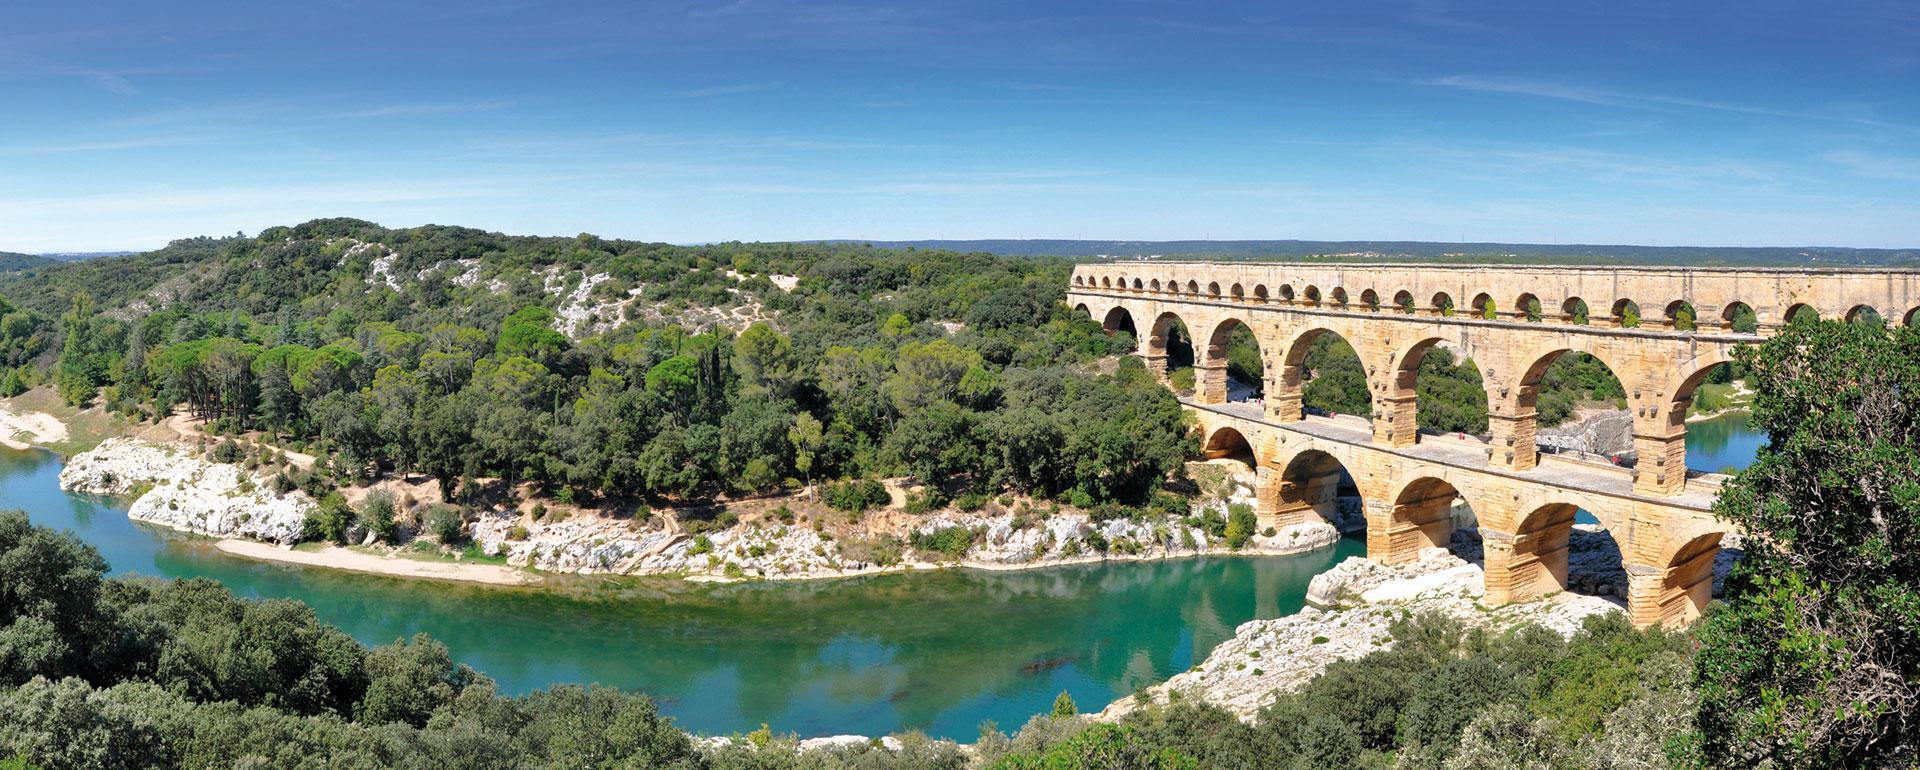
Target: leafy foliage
[442,350]
[1815,659]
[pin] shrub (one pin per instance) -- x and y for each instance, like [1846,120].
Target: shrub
[1169,504]
[1063,706]
[13,384]
[970,502]
[952,542]
[226,452]
[376,514]
[446,523]
[924,500]
[857,496]
[517,532]
[1078,498]
[1240,525]
[329,520]
[1100,747]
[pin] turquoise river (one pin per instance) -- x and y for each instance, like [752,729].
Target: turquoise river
[940,652]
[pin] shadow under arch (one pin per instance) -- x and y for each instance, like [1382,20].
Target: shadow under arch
[1686,578]
[1534,562]
[1425,513]
[1119,320]
[1313,485]
[1228,443]
[1169,343]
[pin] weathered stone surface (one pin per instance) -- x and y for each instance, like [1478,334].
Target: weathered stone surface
[188,492]
[1407,482]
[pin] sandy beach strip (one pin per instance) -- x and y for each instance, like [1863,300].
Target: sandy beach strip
[335,557]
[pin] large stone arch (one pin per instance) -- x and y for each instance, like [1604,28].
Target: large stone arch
[1512,416]
[1118,320]
[1157,351]
[1286,387]
[1227,442]
[1663,441]
[1675,589]
[1396,410]
[1211,365]
[1529,560]
[1418,515]
[1305,487]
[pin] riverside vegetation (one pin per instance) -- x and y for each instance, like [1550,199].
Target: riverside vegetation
[625,376]
[1811,661]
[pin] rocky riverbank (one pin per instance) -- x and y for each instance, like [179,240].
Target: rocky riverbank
[175,487]
[1358,601]
[770,547]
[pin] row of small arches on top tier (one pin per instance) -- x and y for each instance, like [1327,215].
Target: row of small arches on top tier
[1736,317]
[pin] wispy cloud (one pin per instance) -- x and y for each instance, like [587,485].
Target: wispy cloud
[727,90]
[1898,168]
[18,64]
[421,108]
[111,145]
[988,182]
[1585,94]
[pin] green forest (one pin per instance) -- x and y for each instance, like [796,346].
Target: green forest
[436,352]
[1810,661]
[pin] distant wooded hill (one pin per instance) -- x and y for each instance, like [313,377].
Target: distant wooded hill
[1426,250]
[11,261]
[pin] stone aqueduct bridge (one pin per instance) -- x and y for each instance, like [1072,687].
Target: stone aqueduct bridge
[1513,321]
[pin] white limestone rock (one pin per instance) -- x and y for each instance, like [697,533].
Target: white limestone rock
[187,492]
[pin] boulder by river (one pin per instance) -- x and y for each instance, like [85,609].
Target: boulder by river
[175,487]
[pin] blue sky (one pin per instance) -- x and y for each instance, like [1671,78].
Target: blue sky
[129,122]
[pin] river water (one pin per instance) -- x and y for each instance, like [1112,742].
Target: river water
[934,651]
[1725,443]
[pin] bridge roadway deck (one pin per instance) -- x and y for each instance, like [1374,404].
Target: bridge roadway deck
[1470,454]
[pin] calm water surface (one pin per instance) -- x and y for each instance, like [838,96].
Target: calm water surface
[1727,442]
[939,651]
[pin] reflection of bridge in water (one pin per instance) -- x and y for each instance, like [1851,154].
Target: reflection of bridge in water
[1392,315]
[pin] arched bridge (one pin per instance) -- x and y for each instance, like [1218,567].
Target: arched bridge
[1513,321]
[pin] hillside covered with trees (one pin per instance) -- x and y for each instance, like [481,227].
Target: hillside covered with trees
[607,369]
[1810,662]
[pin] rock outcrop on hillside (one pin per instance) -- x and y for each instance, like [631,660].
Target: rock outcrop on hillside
[176,488]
